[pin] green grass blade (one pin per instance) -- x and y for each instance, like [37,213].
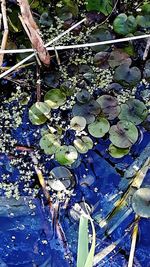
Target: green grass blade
[90,258]
[83,241]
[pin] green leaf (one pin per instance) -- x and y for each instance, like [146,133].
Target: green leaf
[39,112]
[99,128]
[124,134]
[83,241]
[140,202]
[90,258]
[78,123]
[100,34]
[66,155]
[49,143]
[127,76]
[143,21]
[84,144]
[55,98]
[117,152]
[133,110]
[104,6]
[109,106]
[124,25]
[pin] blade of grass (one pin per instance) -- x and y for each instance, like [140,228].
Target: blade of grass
[83,241]
[133,244]
[90,258]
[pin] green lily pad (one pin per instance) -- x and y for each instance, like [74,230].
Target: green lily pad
[45,19]
[118,57]
[141,202]
[55,98]
[104,6]
[124,25]
[83,96]
[84,144]
[101,59]
[109,106]
[127,76]
[39,113]
[78,123]
[143,20]
[98,35]
[49,143]
[61,179]
[117,152]
[99,128]
[51,79]
[124,134]
[133,110]
[66,155]
[88,110]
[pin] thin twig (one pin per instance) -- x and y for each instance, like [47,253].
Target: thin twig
[146,49]
[5,24]
[38,83]
[65,47]
[133,244]
[49,43]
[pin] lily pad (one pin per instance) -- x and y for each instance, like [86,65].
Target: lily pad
[133,110]
[117,152]
[143,20]
[78,123]
[45,19]
[104,6]
[101,59]
[146,72]
[124,134]
[83,96]
[39,112]
[127,76]
[98,35]
[99,128]
[51,79]
[109,106]
[49,143]
[61,179]
[118,57]
[141,202]
[124,25]
[66,155]
[88,110]
[84,144]
[55,98]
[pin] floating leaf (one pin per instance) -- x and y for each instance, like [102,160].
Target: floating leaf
[99,128]
[118,57]
[84,144]
[45,19]
[61,179]
[78,123]
[55,98]
[88,110]
[66,155]
[49,143]
[83,96]
[117,152]
[143,20]
[104,6]
[51,79]
[133,110]
[141,202]
[98,35]
[39,112]
[101,59]
[124,134]
[124,25]
[109,106]
[127,76]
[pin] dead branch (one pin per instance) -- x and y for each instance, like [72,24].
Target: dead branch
[33,31]
[5,24]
